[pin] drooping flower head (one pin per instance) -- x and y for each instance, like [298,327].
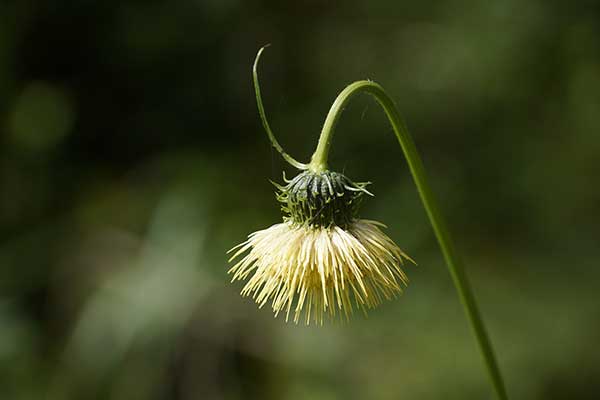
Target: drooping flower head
[322,259]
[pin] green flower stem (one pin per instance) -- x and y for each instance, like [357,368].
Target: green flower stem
[455,266]
[263,117]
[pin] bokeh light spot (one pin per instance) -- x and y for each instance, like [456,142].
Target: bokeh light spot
[41,117]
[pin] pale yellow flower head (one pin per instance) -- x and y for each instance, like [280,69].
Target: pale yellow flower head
[322,260]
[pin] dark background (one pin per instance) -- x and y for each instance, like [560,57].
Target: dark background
[132,158]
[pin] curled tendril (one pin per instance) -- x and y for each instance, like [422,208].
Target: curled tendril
[261,110]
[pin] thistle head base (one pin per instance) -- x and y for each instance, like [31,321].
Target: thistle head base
[321,199]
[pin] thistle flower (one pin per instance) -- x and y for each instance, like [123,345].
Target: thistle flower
[322,258]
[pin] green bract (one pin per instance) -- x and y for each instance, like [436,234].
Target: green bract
[321,199]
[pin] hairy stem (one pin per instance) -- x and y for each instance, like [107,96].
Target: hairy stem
[455,266]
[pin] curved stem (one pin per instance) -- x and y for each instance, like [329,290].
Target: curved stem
[263,116]
[455,266]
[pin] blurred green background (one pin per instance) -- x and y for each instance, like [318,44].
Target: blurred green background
[132,158]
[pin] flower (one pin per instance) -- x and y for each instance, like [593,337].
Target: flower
[322,258]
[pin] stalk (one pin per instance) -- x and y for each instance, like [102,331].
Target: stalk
[438,223]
